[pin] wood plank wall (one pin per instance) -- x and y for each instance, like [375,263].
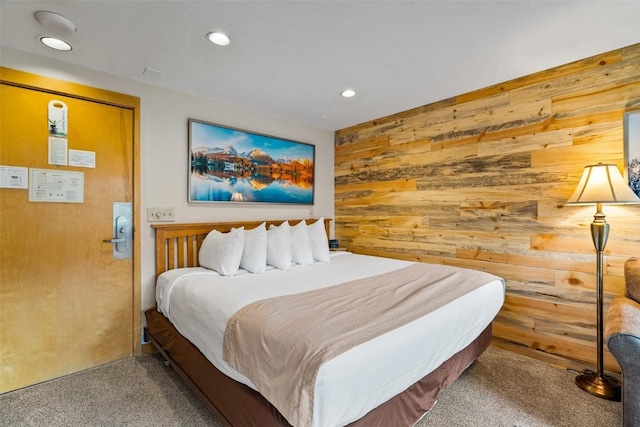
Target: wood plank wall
[480,181]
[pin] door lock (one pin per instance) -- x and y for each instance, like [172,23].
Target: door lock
[122,248]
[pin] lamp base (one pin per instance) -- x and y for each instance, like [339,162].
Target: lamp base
[599,385]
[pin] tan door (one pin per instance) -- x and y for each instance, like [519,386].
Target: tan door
[65,303]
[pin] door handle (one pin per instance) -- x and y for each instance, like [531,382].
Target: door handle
[122,239]
[116,239]
[122,234]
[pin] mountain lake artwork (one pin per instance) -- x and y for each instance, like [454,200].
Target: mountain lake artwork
[231,165]
[632,149]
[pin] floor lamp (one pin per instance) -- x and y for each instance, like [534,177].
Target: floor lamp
[600,184]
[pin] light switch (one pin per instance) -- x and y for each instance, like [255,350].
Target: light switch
[160,214]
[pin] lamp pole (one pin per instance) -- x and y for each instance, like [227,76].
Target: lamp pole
[597,383]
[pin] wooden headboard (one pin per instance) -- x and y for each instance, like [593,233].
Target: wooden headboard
[177,245]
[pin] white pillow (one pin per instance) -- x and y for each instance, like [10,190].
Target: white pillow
[222,252]
[279,246]
[300,244]
[319,241]
[254,257]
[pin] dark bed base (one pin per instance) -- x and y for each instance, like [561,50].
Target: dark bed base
[237,405]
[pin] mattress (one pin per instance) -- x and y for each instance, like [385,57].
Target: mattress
[199,302]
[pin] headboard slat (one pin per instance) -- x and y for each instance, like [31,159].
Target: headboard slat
[171,256]
[190,249]
[181,254]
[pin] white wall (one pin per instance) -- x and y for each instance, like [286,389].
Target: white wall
[164,150]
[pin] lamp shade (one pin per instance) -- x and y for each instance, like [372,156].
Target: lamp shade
[602,183]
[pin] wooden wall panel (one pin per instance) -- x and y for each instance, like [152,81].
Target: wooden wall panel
[480,181]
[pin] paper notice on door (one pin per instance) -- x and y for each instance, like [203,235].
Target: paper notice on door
[14,177]
[57,151]
[56,186]
[58,118]
[81,158]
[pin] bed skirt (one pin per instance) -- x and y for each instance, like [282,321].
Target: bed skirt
[237,405]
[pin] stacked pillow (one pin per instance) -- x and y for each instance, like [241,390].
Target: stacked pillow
[254,256]
[319,242]
[252,250]
[301,244]
[279,246]
[222,252]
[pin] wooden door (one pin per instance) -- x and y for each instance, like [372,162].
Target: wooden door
[65,303]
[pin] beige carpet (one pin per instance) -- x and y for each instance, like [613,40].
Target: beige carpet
[500,389]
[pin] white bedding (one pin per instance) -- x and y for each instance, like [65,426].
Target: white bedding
[358,380]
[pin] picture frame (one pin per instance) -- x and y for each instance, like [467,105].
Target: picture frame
[229,165]
[632,150]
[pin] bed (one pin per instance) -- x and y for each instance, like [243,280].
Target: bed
[391,377]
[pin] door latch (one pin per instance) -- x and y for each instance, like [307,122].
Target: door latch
[122,248]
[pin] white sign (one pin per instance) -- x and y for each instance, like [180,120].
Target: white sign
[82,158]
[56,186]
[57,151]
[14,177]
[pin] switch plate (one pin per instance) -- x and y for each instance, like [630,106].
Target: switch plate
[161,214]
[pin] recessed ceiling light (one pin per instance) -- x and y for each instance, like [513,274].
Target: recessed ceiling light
[348,93]
[218,38]
[54,43]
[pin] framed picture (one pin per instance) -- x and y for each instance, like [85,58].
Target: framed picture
[632,150]
[236,166]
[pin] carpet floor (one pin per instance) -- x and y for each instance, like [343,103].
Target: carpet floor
[500,389]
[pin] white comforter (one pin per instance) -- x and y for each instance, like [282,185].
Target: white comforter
[199,302]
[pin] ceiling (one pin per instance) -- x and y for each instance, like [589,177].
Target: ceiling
[292,59]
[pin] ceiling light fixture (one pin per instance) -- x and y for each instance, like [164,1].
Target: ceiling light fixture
[54,43]
[348,93]
[55,22]
[61,25]
[218,38]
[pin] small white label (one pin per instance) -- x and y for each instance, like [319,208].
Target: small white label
[14,177]
[82,158]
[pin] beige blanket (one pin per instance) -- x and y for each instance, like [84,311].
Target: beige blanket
[280,343]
